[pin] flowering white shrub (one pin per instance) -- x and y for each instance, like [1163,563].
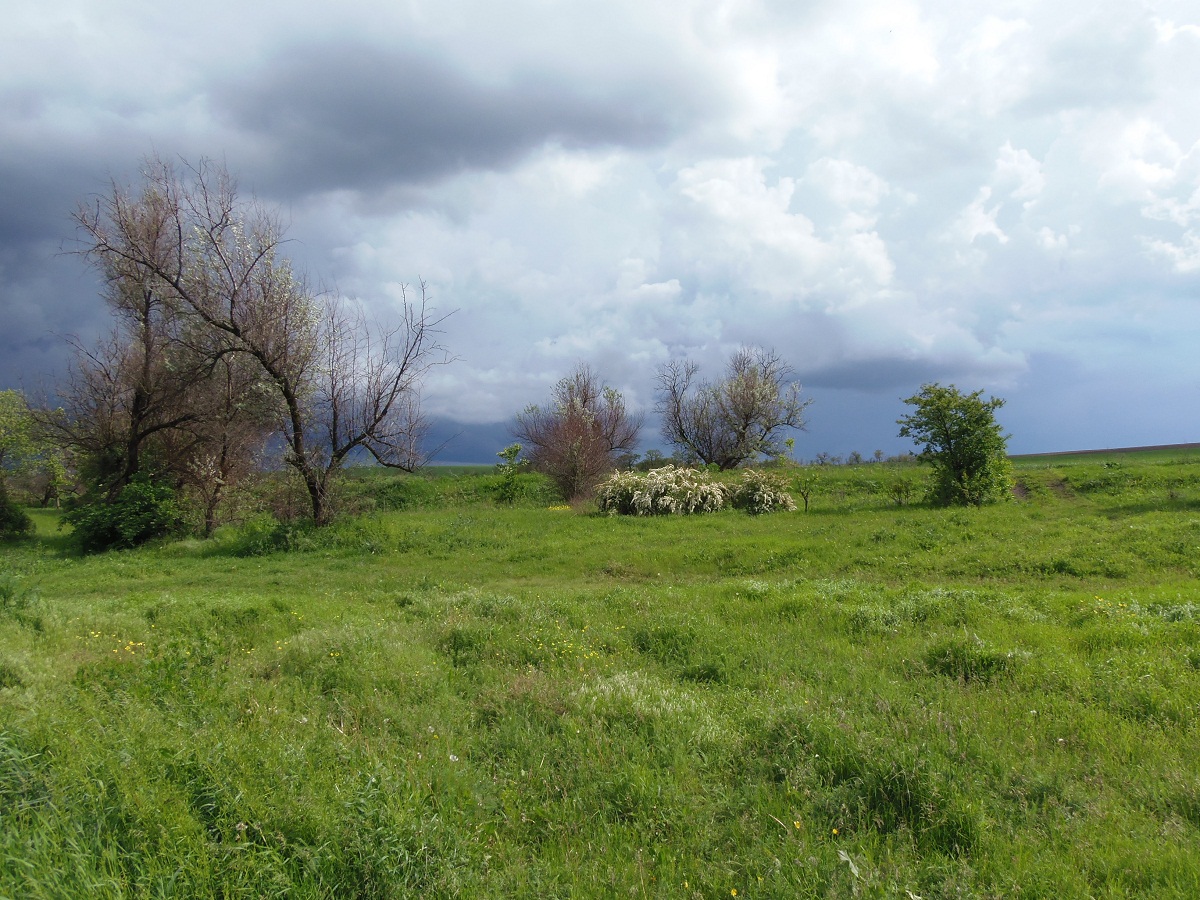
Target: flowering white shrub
[761,492]
[661,492]
[615,496]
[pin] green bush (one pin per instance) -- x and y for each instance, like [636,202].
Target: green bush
[508,488]
[990,484]
[902,489]
[14,522]
[964,443]
[143,510]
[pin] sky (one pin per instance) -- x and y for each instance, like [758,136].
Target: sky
[1003,196]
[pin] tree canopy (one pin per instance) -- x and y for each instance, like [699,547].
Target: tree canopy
[218,337]
[735,419]
[576,437]
[963,441]
[16,429]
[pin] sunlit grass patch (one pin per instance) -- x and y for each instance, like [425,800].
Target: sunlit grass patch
[639,700]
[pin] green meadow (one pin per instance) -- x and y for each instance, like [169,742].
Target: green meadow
[444,696]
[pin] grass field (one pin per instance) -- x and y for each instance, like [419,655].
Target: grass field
[442,697]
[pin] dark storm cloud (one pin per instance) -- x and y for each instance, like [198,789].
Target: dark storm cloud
[36,199]
[897,373]
[45,296]
[47,291]
[55,154]
[888,195]
[355,116]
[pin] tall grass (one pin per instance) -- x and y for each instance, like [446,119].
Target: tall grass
[451,698]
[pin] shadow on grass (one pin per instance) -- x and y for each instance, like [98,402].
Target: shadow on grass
[46,538]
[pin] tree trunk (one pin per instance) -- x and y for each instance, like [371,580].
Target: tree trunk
[316,496]
[210,511]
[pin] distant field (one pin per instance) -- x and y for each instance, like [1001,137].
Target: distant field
[1164,453]
[440,696]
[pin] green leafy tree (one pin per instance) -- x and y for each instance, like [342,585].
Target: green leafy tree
[27,456]
[963,441]
[13,444]
[13,520]
[18,432]
[806,484]
[508,470]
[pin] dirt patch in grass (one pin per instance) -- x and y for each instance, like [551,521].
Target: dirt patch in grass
[1060,489]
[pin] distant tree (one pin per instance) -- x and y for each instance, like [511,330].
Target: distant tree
[964,443]
[16,443]
[806,483]
[653,459]
[626,460]
[338,382]
[735,419]
[855,458]
[27,453]
[16,431]
[577,438]
[878,456]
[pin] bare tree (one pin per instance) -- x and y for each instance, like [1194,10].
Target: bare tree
[733,420]
[129,390]
[153,396]
[369,386]
[223,444]
[577,436]
[339,382]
